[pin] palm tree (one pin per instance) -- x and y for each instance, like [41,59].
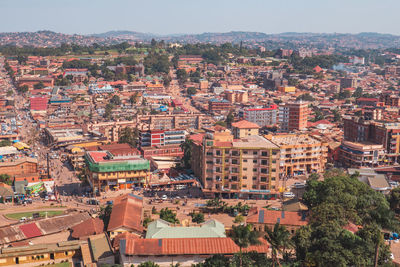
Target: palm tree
[279,240]
[244,236]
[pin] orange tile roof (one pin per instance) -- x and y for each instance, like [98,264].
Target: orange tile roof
[271,217]
[92,226]
[187,246]
[127,213]
[245,125]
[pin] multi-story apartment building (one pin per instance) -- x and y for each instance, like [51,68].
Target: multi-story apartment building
[107,171]
[173,121]
[367,133]
[261,116]
[293,116]
[347,83]
[162,137]
[216,105]
[361,154]
[236,168]
[300,154]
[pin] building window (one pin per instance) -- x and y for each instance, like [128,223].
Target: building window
[254,161]
[245,160]
[254,169]
[218,152]
[254,178]
[263,179]
[264,154]
[245,152]
[244,177]
[244,169]
[255,153]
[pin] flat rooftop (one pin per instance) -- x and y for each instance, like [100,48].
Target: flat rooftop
[65,132]
[292,139]
[255,141]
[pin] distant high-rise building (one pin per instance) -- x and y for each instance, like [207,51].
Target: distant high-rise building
[347,83]
[293,116]
[263,116]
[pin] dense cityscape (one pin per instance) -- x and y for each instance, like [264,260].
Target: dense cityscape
[236,148]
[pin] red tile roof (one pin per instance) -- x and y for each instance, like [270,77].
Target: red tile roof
[187,246]
[271,217]
[245,125]
[92,226]
[127,213]
[38,103]
[30,230]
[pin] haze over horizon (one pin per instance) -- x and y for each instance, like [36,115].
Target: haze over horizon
[190,17]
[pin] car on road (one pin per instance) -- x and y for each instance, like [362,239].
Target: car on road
[299,185]
[288,195]
[164,197]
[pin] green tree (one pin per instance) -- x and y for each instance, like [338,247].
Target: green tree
[105,213]
[187,153]
[336,115]
[129,135]
[358,92]
[115,100]
[244,236]
[167,80]
[394,198]
[5,143]
[279,240]
[217,260]
[156,63]
[191,91]
[305,97]
[181,75]
[148,264]
[334,203]
[39,85]
[197,217]
[5,178]
[108,110]
[23,89]
[168,216]
[229,118]
[134,98]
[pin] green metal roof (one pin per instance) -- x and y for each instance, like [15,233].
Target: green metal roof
[114,166]
[163,229]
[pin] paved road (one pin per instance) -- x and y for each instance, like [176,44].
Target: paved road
[65,178]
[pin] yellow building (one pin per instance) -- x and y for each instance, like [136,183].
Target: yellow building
[107,171]
[245,167]
[300,154]
[287,89]
[244,128]
[39,253]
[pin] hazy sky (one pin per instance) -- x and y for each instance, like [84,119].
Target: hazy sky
[197,16]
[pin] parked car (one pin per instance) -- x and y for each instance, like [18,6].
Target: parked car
[22,219]
[164,197]
[299,185]
[288,195]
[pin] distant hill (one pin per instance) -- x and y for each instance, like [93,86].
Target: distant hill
[125,34]
[290,40]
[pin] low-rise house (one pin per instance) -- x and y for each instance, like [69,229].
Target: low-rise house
[186,251]
[261,218]
[163,229]
[126,216]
